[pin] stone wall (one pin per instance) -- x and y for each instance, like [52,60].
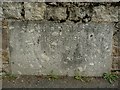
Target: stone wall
[22,17]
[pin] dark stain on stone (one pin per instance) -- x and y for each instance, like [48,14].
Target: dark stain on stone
[68,13]
[51,19]
[115,4]
[75,21]
[10,49]
[60,30]
[91,35]
[117,25]
[23,10]
[64,59]
[61,21]
[44,51]
[86,19]
[13,62]
[77,58]
[38,40]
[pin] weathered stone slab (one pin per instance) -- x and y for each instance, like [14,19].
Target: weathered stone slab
[41,47]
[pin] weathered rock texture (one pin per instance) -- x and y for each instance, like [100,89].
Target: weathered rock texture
[116,47]
[61,37]
[12,10]
[34,11]
[56,13]
[105,13]
[62,11]
[40,47]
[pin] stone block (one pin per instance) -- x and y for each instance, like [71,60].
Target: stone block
[116,38]
[105,13]
[41,47]
[116,51]
[79,13]
[56,13]
[12,10]
[34,11]
[116,63]
[6,68]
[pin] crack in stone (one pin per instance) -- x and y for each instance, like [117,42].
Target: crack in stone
[23,10]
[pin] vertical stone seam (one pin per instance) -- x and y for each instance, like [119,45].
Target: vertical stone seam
[5,45]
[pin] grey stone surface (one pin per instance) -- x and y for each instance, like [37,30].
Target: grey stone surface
[40,47]
[12,10]
[105,13]
[34,11]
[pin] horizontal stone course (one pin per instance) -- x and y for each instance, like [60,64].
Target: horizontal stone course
[39,47]
[61,11]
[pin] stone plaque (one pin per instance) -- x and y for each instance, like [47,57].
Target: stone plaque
[39,47]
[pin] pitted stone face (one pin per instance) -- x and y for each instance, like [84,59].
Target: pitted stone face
[41,47]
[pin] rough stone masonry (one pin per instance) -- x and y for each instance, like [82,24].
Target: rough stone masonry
[60,37]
